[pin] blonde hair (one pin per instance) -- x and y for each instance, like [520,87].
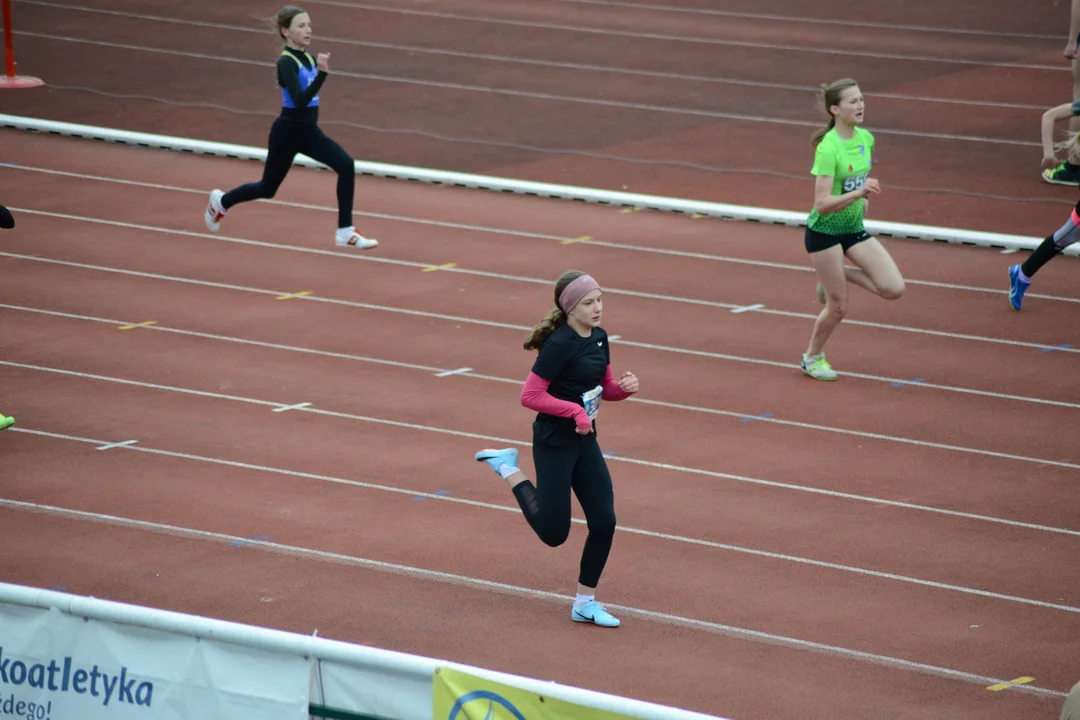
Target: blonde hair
[556,317]
[1071,144]
[829,96]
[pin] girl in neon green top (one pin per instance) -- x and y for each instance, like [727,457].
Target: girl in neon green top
[843,158]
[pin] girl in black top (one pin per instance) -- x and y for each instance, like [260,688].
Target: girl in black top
[297,130]
[571,374]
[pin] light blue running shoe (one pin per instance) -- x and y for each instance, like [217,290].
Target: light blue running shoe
[1017,287]
[496,458]
[593,612]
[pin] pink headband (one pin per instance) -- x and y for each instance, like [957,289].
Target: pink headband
[579,288]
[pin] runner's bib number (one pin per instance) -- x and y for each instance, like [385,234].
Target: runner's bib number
[855,182]
[591,401]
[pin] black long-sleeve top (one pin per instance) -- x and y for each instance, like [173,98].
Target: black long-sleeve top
[288,75]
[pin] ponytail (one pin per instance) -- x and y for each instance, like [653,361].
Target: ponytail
[820,133]
[554,319]
[539,334]
[281,20]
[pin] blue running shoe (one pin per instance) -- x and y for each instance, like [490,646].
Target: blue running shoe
[496,458]
[1017,287]
[593,612]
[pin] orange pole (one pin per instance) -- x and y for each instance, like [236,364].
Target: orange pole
[9,79]
[9,43]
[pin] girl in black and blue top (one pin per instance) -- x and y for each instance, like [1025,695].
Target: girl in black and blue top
[297,130]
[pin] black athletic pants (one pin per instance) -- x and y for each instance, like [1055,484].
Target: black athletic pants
[287,138]
[580,467]
[1052,245]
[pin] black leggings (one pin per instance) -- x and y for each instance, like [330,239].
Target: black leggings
[287,138]
[560,468]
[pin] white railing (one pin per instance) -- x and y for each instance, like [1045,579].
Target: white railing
[525,187]
[82,658]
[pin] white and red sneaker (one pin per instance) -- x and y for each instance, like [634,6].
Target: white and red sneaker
[214,211]
[348,237]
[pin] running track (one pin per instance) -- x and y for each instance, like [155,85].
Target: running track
[877,547]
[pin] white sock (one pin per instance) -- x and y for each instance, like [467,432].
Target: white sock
[580,600]
[346,232]
[507,470]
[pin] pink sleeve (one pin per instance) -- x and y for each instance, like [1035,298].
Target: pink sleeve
[534,395]
[612,391]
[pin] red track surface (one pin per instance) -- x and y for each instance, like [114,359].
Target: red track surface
[784,525]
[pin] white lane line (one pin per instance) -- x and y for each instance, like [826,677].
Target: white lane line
[452,225]
[561,64]
[501,276]
[510,326]
[695,471]
[458,371]
[809,20]
[254,343]
[664,8]
[459,433]
[697,40]
[286,408]
[110,446]
[472,321]
[467,372]
[877,501]
[745,308]
[660,403]
[629,530]
[489,585]
[582,100]
[595,100]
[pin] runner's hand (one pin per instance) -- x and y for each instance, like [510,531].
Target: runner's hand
[1050,162]
[871,186]
[583,422]
[322,61]
[628,382]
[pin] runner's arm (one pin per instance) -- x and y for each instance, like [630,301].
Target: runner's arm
[1050,117]
[1074,28]
[825,202]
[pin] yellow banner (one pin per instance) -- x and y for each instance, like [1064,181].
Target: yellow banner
[460,696]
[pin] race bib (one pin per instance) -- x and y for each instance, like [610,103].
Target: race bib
[591,401]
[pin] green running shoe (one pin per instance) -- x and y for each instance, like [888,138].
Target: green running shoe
[817,367]
[1061,175]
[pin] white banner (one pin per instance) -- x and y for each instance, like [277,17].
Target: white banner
[54,666]
[370,691]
